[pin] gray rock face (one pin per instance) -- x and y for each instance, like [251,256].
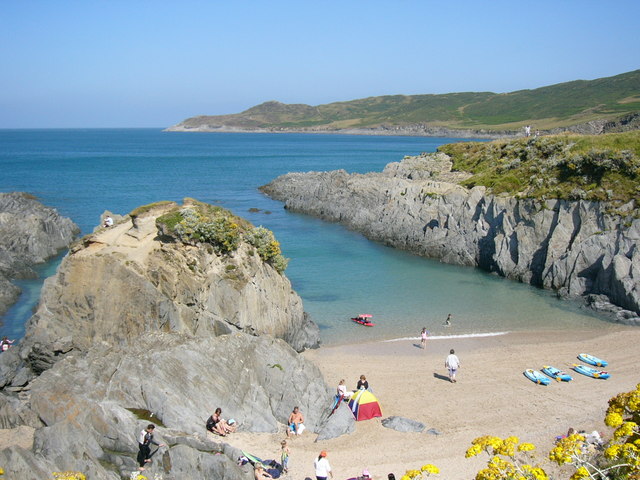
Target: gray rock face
[402,424]
[83,399]
[131,323]
[125,281]
[339,423]
[30,233]
[576,248]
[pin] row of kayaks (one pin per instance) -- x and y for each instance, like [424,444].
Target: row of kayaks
[549,373]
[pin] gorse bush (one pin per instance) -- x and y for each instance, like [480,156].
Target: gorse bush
[198,222]
[509,459]
[267,246]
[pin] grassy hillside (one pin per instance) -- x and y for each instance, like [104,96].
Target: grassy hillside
[558,105]
[601,167]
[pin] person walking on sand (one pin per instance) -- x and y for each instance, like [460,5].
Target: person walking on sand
[453,364]
[423,338]
[322,466]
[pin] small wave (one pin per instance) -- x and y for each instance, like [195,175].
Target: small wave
[448,337]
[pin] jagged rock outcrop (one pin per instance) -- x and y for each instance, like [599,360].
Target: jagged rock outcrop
[134,321]
[124,281]
[574,247]
[30,233]
[83,401]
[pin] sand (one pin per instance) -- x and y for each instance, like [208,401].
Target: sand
[491,397]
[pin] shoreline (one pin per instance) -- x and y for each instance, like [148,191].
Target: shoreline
[492,397]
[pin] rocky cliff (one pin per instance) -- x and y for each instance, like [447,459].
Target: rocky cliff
[137,321]
[577,248]
[30,233]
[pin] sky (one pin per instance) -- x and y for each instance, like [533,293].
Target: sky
[99,63]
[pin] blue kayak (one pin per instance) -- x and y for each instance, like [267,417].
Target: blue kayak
[536,377]
[590,372]
[591,360]
[556,374]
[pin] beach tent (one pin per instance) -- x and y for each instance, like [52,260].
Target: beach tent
[364,405]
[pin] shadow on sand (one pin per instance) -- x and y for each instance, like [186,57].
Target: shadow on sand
[441,377]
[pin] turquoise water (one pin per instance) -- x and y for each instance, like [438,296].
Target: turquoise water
[336,272]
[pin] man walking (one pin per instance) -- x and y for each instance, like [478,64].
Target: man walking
[453,364]
[144,445]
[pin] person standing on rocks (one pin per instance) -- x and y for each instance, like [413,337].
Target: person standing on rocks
[453,364]
[5,344]
[144,445]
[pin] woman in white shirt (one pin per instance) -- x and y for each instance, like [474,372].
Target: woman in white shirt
[323,469]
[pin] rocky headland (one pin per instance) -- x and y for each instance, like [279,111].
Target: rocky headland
[578,248]
[30,233]
[143,322]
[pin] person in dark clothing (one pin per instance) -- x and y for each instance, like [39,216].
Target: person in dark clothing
[144,445]
[362,383]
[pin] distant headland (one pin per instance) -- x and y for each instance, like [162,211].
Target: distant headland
[604,105]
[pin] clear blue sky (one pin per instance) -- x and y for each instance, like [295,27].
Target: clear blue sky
[113,63]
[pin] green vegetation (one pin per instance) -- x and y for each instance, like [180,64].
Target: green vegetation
[572,167]
[548,107]
[198,222]
[136,212]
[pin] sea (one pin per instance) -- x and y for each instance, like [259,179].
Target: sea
[337,272]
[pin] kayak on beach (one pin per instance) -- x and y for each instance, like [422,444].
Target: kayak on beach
[591,360]
[364,319]
[556,374]
[590,371]
[536,377]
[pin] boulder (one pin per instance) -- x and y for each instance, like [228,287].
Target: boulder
[339,423]
[402,424]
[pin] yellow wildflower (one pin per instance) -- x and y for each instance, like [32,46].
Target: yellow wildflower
[430,469]
[581,472]
[526,447]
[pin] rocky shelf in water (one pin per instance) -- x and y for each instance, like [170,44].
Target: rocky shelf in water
[575,248]
[30,233]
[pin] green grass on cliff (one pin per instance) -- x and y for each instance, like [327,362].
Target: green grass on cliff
[572,167]
[553,106]
[197,222]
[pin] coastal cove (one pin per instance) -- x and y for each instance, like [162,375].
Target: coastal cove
[338,273]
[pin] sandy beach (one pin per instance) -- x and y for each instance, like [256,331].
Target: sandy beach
[491,397]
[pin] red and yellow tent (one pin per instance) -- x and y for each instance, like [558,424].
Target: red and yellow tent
[364,405]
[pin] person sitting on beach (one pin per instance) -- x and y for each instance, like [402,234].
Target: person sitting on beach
[341,390]
[296,422]
[362,383]
[5,344]
[260,473]
[217,425]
